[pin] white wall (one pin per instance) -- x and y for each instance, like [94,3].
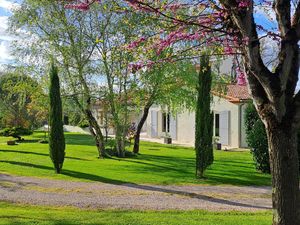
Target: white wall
[221,104]
[186,123]
[186,127]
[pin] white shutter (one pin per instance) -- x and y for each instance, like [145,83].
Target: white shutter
[224,127]
[154,124]
[173,127]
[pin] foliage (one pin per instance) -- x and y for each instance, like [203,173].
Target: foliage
[204,119]
[21,101]
[56,134]
[257,139]
[111,147]
[75,116]
[57,33]
[15,132]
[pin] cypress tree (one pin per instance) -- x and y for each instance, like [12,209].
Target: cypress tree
[204,119]
[56,136]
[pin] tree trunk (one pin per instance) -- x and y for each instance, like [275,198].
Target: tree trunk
[97,134]
[284,163]
[120,145]
[93,126]
[136,146]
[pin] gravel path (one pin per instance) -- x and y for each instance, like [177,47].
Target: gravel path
[132,196]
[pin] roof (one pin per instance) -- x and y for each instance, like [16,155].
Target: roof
[234,93]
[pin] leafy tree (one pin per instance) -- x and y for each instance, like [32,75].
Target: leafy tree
[57,31]
[204,119]
[20,97]
[171,84]
[56,135]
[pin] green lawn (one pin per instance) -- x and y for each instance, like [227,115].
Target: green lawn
[25,214]
[157,164]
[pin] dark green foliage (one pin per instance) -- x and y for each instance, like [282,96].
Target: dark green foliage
[15,132]
[257,139]
[83,124]
[204,119]
[17,100]
[56,135]
[111,148]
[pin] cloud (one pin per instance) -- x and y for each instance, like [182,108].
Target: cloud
[8,5]
[5,56]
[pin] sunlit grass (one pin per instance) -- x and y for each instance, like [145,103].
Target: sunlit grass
[157,164]
[27,215]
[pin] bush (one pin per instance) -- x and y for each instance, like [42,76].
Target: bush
[15,132]
[257,140]
[110,147]
[84,124]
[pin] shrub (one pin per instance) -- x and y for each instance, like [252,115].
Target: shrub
[258,141]
[84,124]
[111,149]
[15,132]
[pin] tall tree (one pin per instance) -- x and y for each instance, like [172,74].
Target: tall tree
[56,135]
[204,119]
[71,37]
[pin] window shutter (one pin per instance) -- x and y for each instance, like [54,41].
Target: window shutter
[224,127]
[173,127]
[153,124]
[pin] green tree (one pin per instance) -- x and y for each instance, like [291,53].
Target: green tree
[19,100]
[204,119]
[171,84]
[56,135]
[71,37]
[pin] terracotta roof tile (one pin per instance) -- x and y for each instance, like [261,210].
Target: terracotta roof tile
[238,91]
[233,93]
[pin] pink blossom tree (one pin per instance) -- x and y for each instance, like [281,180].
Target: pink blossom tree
[229,27]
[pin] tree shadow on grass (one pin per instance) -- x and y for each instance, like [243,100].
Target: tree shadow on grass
[79,139]
[221,172]
[159,168]
[41,154]
[161,189]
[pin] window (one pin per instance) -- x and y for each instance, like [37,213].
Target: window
[217,125]
[166,122]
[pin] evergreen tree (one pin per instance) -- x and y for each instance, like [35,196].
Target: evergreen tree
[204,119]
[56,136]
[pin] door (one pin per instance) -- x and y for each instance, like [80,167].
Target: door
[224,127]
[153,132]
[173,127]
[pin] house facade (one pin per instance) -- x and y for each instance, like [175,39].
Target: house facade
[104,117]
[229,121]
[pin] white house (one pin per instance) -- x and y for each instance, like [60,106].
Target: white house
[229,121]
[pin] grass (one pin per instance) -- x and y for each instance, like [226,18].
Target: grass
[25,214]
[157,164]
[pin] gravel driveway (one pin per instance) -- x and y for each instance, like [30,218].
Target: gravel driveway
[40,191]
